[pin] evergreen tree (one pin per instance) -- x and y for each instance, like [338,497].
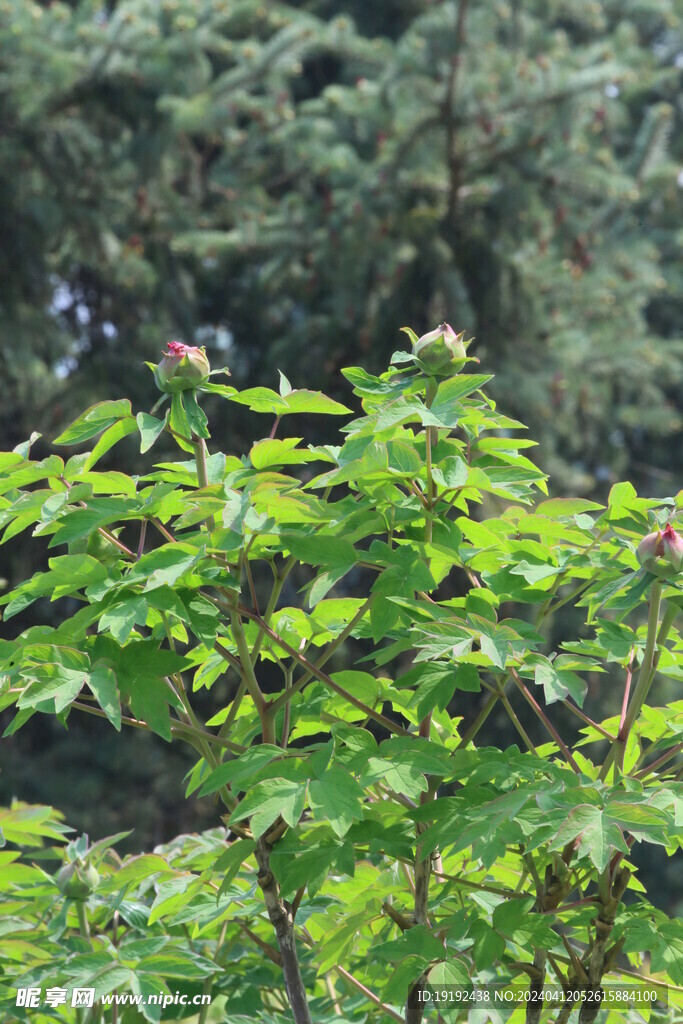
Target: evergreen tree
[284,175]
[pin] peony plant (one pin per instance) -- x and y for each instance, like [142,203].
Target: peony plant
[364,607]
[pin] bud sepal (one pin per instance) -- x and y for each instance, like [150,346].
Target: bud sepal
[78,879]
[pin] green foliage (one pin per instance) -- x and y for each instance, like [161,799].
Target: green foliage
[295,179]
[372,847]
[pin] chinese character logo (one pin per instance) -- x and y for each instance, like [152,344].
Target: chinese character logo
[55,996]
[28,997]
[83,997]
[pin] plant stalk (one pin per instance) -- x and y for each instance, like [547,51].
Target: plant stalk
[283,923]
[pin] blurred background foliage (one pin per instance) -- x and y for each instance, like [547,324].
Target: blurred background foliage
[289,184]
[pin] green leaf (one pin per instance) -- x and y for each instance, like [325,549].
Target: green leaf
[559,684]
[27,825]
[279,452]
[316,550]
[364,383]
[112,436]
[303,401]
[110,482]
[241,769]
[621,496]
[265,400]
[459,386]
[149,699]
[405,974]
[196,417]
[150,429]
[418,940]
[337,797]
[569,507]
[451,473]
[69,573]
[508,916]
[667,954]
[260,400]
[51,682]
[94,421]
[403,459]
[120,618]
[178,423]
[102,682]
[204,617]
[402,778]
[81,522]
[324,582]
[360,685]
[113,976]
[232,860]
[269,799]
[146,986]
[488,945]
[435,685]
[177,964]
[133,871]
[145,657]
[534,572]
[297,863]
[164,566]
[449,972]
[599,836]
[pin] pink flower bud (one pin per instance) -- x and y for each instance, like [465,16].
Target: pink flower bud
[661,552]
[440,352]
[182,367]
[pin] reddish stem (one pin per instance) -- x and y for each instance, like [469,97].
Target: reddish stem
[627,693]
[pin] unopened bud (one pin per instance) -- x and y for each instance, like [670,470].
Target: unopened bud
[440,352]
[78,879]
[182,367]
[661,552]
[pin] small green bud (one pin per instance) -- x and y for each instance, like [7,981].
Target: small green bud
[661,552]
[440,352]
[181,368]
[78,880]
